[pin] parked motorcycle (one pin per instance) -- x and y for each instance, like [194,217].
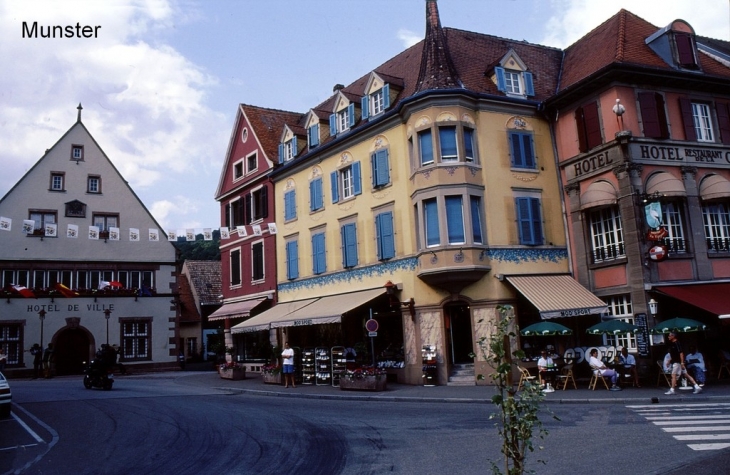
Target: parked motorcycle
[98,375]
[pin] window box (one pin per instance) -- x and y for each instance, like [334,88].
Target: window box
[271,378]
[235,374]
[376,382]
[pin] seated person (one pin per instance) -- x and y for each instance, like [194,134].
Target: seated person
[628,362]
[695,364]
[546,368]
[667,363]
[598,365]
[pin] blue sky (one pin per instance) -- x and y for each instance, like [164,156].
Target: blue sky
[161,84]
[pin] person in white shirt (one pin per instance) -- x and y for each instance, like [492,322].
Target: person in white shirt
[696,365]
[288,355]
[546,369]
[628,361]
[597,365]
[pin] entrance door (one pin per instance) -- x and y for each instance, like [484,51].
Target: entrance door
[460,334]
[71,351]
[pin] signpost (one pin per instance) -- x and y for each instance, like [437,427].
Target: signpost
[371,325]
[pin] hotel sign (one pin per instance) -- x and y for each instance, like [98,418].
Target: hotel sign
[672,153]
[605,159]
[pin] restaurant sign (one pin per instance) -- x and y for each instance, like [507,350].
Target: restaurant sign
[669,153]
[572,312]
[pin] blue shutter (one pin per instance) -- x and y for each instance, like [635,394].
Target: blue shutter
[536,216]
[334,178]
[292,260]
[455,219]
[319,263]
[281,153]
[314,135]
[384,233]
[356,181]
[374,169]
[315,194]
[529,221]
[527,153]
[476,219]
[351,115]
[516,149]
[431,215]
[294,149]
[290,207]
[364,105]
[529,86]
[381,169]
[501,85]
[349,242]
[333,125]
[425,145]
[386,96]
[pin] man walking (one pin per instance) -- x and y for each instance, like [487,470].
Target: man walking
[678,368]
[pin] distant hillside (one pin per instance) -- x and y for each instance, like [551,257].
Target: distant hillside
[199,250]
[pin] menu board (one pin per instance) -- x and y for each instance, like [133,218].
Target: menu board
[642,336]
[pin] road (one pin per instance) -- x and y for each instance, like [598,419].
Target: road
[167,425]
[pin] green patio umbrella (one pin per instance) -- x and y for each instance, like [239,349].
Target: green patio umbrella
[678,324]
[612,327]
[545,329]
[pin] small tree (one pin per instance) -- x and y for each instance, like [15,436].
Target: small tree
[517,420]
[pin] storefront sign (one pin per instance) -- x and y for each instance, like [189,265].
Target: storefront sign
[595,162]
[658,253]
[298,323]
[575,312]
[58,307]
[695,155]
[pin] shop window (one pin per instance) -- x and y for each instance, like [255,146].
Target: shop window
[607,240]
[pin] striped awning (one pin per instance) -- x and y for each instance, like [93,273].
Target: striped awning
[263,320]
[558,296]
[235,310]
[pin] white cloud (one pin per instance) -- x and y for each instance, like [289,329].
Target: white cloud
[408,37]
[574,18]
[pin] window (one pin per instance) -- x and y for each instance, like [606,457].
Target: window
[385,241]
[375,103]
[316,199]
[529,220]
[41,218]
[716,217]
[722,109]
[349,245]
[257,261]
[257,204]
[522,150]
[93,184]
[685,50]
[589,127]
[511,82]
[288,150]
[235,267]
[346,182]
[607,240]
[696,120]
[252,163]
[653,115]
[105,221]
[19,277]
[313,135]
[476,219]
[136,338]
[57,181]
[619,307]
[77,152]
[237,170]
[234,213]
[11,341]
[454,220]
[425,147]
[319,260]
[342,120]
[672,219]
[292,260]
[447,141]
[380,168]
[290,205]
[468,144]
[431,222]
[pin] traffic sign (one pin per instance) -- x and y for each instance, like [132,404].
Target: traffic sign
[371,325]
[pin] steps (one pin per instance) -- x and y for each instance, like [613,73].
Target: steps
[462,375]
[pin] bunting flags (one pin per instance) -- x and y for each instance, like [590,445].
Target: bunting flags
[72,231]
[134,234]
[272,228]
[207,234]
[256,230]
[114,233]
[5,223]
[19,289]
[241,230]
[65,291]
[171,235]
[190,235]
[51,230]
[28,226]
[154,235]
[224,233]
[94,232]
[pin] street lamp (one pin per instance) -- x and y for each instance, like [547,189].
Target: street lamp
[653,307]
[107,314]
[42,316]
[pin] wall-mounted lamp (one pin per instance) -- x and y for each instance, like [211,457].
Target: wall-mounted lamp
[653,307]
[107,314]
[410,304]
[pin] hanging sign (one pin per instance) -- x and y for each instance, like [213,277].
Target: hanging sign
[658,253]
[657,234]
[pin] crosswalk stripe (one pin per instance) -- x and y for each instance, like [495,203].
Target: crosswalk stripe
[688,423]
[695,429]
[686,418]
[708,446]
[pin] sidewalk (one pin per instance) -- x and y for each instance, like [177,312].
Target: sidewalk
[714,391]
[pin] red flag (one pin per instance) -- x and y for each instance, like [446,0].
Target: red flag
[65,290]
[25,292]
[115,285]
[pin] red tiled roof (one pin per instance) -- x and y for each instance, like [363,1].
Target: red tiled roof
[205,276]
[268,125]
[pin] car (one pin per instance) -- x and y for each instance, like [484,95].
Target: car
[5,397]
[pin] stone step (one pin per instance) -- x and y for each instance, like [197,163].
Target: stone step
[461,383]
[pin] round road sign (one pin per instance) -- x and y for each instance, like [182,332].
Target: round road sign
[371,325]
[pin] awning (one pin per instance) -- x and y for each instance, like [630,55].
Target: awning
[263,320]
[558,295]
[714,187]
[665,184]
[715,298]
[599,193]
[328,309]
[235,310]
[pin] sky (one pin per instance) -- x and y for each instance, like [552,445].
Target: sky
[161,83]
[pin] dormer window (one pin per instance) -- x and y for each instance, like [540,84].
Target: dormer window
[685,50]
[376,102]
[313,135]
[288,150]
[514,82]
[342,120]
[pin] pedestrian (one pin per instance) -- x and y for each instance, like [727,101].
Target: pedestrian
[49,360]
[678,364]
[37,353]
[288,355]
[696,365]
[3,358]
[598,365]
[181,359]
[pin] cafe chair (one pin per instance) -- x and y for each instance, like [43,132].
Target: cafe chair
[566,376]
[663,372]
[525,376]
[595,377]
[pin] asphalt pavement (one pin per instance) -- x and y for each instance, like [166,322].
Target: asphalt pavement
[714,391]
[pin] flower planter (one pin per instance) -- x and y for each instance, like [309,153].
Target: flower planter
[271,378]
[235,374]
[364,383]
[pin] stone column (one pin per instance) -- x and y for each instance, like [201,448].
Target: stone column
[695,225]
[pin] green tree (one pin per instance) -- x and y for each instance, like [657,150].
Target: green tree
[200,249]
[517,420]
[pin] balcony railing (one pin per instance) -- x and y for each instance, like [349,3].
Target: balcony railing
[608,253]
[718,244]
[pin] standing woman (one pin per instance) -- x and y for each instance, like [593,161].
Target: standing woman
[288,355]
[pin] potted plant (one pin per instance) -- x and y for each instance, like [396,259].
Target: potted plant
[232,370]
[271,374]
[365,378]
